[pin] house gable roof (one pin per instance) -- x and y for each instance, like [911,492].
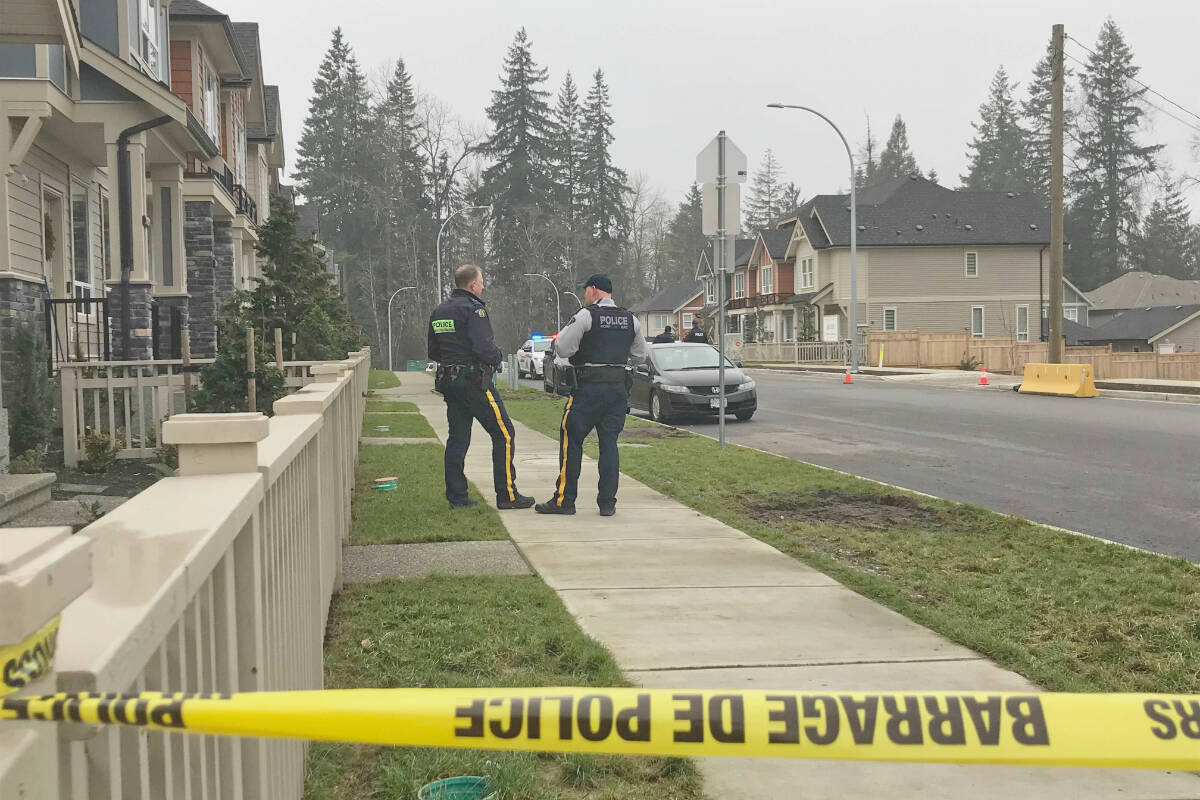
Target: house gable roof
[672,298]
[776,243]
[1074,333]
[741,255]
[197,12]
[916,211]
[1138,289]
[1143,324]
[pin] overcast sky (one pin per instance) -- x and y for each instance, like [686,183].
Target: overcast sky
[680,71]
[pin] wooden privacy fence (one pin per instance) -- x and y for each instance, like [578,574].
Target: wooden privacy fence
[218,580]
[129,401]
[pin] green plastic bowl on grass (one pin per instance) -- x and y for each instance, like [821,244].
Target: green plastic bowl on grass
[466,787]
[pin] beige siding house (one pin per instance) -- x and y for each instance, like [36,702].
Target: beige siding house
[929,259]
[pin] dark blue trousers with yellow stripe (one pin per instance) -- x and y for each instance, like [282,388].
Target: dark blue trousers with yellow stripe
[483,403]
[599,407]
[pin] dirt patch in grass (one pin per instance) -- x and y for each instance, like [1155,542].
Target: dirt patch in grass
[871,512]
[652,432]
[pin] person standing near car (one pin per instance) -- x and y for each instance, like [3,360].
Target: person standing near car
[597,343]
[696,334]
[460,340]
[666,337]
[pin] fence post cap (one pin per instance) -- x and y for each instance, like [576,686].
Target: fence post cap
[41,571]
[235,428]
[327,368]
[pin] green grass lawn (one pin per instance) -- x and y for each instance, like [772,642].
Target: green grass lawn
[478,631]
[1068,612]
[390,405]
[399,426]
[417,511]
[382,379]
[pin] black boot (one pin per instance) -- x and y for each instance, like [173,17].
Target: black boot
[519,501]
[551,507]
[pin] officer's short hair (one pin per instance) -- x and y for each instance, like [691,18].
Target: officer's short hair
[467,274]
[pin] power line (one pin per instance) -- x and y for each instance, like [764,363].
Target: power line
[1147,87]
[1160,109]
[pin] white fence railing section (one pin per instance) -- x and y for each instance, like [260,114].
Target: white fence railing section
[218,580]
[129,401]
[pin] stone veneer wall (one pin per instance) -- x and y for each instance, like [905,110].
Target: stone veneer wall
[141,347]
[163,334]
[198,244]
[20,301]
[223,256]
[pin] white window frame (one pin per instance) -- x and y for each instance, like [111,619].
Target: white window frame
[895,318]
[766,275]
[86,289]
[766,332]
[1071,313]
[686,323]
[661,321]
[806,273]
[1023,335]
[739,285]
[788,326]
[733,323]
[146,35]
[106,265]
[239,150]
[710,292]
[982,322]
[212,99]
[967,265]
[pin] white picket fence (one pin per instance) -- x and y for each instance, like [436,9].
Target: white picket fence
[128,401]
[802,352]
[218,580]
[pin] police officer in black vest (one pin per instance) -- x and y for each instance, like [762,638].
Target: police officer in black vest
[462,344]
[696,334]
[597,344]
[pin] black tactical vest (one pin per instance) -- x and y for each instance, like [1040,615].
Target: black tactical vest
[609,339]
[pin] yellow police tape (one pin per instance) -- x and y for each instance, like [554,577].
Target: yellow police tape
[23,663]
[1090,730]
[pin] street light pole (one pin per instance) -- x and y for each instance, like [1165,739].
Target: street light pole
[438,247]
[389,310]
[853,234]
[577,300]
[557,298]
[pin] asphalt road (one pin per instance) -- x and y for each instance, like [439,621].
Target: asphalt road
[1123,470]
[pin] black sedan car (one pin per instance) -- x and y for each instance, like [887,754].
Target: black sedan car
[682,379]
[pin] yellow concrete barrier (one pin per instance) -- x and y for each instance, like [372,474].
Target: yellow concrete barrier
[1066,380]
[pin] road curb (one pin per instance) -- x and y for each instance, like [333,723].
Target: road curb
[1161,397]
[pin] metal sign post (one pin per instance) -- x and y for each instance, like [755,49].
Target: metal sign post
[722,163]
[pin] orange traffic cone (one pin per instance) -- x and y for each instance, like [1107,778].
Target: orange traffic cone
[847,379]
[983,381]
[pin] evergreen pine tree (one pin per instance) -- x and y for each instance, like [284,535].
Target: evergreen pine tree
[792,199]
[399,161]
[685,238]
[897,160]
[996,156]
[566,149]
[1035,115]
[518,180]
[603,185]
[1169,244]
[333,139]
[766,200]
[1111,163]
[932,175]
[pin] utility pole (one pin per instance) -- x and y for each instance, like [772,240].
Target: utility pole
[719,255]
[1054,312]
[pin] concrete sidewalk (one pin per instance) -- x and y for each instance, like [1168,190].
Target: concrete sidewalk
[685,601]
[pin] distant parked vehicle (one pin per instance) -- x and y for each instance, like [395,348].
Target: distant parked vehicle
[682,379]
[531,356]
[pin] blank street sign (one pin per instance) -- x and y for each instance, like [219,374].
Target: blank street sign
[708,166]
[733,209]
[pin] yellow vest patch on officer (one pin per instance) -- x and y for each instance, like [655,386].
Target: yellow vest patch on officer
[442,325]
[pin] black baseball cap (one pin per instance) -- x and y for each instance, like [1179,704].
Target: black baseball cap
[600,281]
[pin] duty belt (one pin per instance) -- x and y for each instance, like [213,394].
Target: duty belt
[610,373]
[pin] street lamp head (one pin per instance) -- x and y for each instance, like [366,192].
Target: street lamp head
[775,105]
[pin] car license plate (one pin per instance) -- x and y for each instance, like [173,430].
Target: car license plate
[718,402]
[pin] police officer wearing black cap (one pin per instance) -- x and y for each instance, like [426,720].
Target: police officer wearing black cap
[696,334]
[461,342]
[597,344]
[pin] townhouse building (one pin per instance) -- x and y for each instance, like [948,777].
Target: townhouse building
[928,258]
[140,152]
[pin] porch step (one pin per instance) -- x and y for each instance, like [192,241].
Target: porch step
[20,494]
